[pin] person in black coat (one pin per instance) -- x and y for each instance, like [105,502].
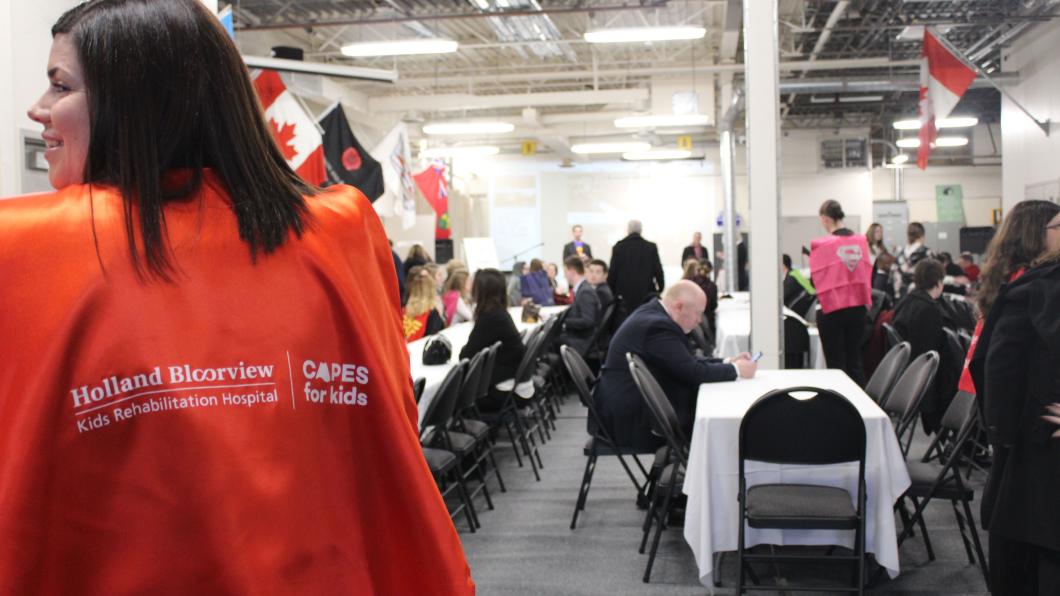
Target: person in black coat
[656,332]
[920,319]
[636,271]
[493,324]
[1015,368]
[583,316]
[576,247]
[399,268]
[696,250]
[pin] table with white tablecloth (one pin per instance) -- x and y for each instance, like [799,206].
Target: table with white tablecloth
[458,335]
[712,479]
[734,329]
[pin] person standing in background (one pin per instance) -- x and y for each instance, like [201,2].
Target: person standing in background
[874,236]
[913,253]
[635,271]
[842,274]
[576,247]
[515,291]
[696,250]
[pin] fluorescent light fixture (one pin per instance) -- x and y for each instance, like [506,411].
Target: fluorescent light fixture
[900,159]
[952,122]
[859,98]
[320,68]
[616,147]
[913,143]
[822,99]
[662,121]
[468,151]
[400,47]
[657,155]
[467,128]
[642,34]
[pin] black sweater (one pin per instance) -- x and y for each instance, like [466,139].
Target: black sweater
[490,327]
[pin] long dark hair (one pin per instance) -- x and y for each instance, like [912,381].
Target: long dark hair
[1018,242]
[167,90]
[488,291]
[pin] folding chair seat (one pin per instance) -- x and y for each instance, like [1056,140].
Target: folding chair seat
[800,506]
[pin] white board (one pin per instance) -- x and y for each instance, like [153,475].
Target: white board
[480,253]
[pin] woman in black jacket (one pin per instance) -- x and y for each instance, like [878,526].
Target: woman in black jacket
[1016,366]
[493,324]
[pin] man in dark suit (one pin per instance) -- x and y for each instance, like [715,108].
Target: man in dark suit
[696,250]
[576,247]
[657,333]
[583,316]
[597,274]
[636,271]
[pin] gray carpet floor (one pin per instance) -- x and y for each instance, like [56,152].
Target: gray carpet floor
[525,545]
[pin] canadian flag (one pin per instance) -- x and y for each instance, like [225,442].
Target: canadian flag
[943,80]
[296,134]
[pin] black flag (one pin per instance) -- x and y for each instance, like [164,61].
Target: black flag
[347,161]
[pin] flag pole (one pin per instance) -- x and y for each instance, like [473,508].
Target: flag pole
[1044,125]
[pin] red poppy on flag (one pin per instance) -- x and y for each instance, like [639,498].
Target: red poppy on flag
[296,134]
[943,80]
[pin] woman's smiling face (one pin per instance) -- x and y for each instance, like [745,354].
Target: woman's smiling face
[63,111]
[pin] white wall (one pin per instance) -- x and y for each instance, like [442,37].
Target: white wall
[25,41]
[1029,156]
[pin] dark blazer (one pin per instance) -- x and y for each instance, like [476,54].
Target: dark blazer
[490,327]
[792,290]
[920,320]
[1015,368]
[651,334]
[635,272]
[603,292]
[582,319]
[570,250]
[399,268]
[689,252]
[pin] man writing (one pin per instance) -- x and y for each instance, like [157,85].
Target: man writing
[576,247]
[656,332]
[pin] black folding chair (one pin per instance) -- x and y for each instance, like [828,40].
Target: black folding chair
[891,335]
[882,381]
[796,343]
[443,463]
[511,415]
[903,402]
[780,428]
[417,388]
[600,441]
[671,479]
[943,480]
[472,437]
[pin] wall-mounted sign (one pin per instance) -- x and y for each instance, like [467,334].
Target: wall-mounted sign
[529,148]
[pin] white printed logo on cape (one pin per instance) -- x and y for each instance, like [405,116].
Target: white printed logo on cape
[850,255]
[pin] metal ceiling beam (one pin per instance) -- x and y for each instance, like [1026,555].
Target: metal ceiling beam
[461,101]
[458,15]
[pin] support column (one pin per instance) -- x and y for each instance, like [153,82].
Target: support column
[763,158]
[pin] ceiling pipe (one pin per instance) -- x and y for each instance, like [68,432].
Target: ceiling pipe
[727,152]
[822,39]
[897,171]
[877,85]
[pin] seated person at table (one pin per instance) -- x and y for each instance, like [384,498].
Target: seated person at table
[455,297]
[493,324]
[919,318]
[656,332]
[597,274]
[421,316]
[535,285]
[584,314]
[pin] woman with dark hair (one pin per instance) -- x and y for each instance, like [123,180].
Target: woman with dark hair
[197,344]
[493,324]
[914,252]
[874,236]
[841,270]
[1015,366]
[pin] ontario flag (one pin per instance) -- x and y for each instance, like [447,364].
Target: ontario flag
[296,134]
[943,80]
[432,184]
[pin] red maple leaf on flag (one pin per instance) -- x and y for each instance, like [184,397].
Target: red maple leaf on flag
[284,136]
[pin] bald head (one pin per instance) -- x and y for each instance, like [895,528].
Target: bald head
[685,302]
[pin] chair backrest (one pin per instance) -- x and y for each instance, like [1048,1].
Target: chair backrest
[469,388]
[966,339]
[960,412]
[892,365]
[579,373]
[440,410]
[417,388]
[880,302]
[701,340]
[553,327]
[487,371]
[525,370]
[601,332]
[904,399]
[811,312]
[796,342]
[893,337]
[528,336]
[664,417]
[782,428]
[955,351]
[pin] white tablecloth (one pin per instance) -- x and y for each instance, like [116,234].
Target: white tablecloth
[734,329]
[712,479]
[458,335]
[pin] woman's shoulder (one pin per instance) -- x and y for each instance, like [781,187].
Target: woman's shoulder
[341,203]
